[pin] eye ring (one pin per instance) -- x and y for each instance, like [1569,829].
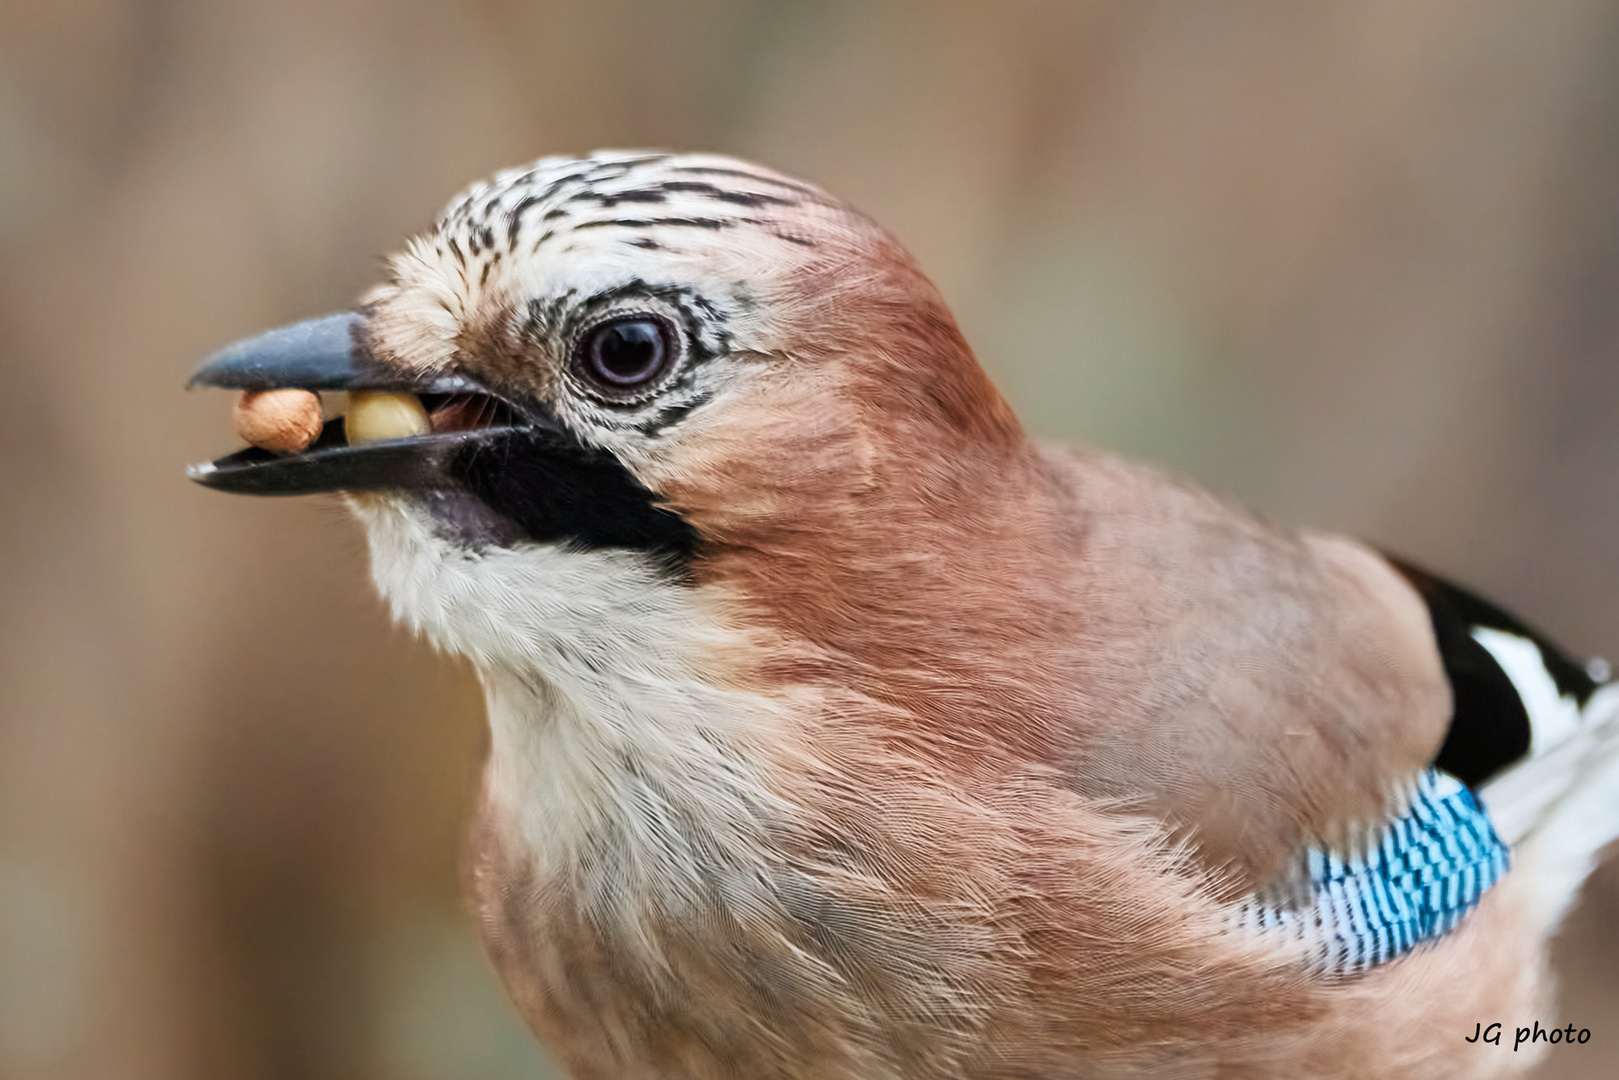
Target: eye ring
[622,357]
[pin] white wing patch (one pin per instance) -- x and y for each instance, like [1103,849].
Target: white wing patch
[1559,806]
[1553,718]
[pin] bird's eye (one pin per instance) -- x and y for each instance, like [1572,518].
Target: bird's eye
[623,356]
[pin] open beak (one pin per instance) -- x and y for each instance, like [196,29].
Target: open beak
[531,476]
[464,419]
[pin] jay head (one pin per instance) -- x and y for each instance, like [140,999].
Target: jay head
[838,730]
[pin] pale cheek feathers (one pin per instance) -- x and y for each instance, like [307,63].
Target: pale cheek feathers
[516,606]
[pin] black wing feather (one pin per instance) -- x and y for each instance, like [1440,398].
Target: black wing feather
[1490,728]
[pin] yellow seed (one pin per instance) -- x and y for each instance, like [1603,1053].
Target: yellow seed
[284,420]
[375,415]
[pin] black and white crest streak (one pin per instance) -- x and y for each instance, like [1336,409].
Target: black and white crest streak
[653,198]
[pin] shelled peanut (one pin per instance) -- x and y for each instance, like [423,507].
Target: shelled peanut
[283,420]
[374,415]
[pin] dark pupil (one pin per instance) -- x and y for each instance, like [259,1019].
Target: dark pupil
[627,353]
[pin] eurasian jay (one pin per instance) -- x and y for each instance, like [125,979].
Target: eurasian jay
[839,730]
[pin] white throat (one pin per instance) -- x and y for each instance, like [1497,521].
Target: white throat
[627,769]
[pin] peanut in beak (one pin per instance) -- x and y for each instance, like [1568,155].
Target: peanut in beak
[285,420]
[374,415]
[289,420]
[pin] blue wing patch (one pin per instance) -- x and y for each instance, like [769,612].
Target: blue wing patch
[1428,868]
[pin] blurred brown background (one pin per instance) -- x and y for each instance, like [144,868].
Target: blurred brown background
[1354,262]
